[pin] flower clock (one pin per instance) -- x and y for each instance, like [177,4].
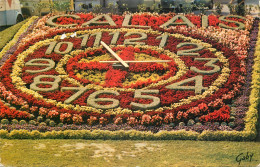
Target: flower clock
[135,71]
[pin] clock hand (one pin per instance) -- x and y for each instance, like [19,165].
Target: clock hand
[115,55]
[133,61]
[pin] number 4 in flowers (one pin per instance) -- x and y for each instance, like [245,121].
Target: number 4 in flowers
[198,88]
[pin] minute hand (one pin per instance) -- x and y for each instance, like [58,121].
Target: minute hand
[115,55]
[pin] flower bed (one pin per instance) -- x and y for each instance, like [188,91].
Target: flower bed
[185,72]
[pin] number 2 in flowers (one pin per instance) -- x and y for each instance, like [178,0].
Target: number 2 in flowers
[134,41]
[189,52]
[198,88]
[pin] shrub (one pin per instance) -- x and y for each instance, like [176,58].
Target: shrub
[22,122]
[42,124]
[191,122]
[231,124]
[52,123]
[35,134]
[14,121]
[60,125]
[103,121]
[232,118]
[92,120]
[216,123]
[198,124]
[3,133]
[47,121]
[39,119]
[157,120]
[146,119]
[172,124]
[32,122]
[77,119]
[32,116]
[223,124]
[19,134]
[218,7]
[118,121]
[4,121]
[181,124]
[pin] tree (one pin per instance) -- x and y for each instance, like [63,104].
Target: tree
[241,7]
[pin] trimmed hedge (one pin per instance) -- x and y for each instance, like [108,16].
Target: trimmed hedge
[129,135]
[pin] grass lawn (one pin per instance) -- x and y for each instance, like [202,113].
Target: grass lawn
[126,153]
[7,34]
[33,153]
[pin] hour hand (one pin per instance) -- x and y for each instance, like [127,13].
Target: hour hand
[115,55]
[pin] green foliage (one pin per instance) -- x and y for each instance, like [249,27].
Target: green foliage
[181,124]
[19,134]
[187,9]
[232,9]
[3,134]
[218,7]
[47,121]
[191,122]
[39,6]
[61,5]
[155,8]
[32,116]
[129,135]
[197,119]
[242,10]
[83,7]
[39,119]
[177,135]
[42,124]
[14,121]
[97,9]
[60,125]
[52,123]
[8,34]
[231,124]
[202,8]
[125,7]
[226,135]
[22,122]
[35,134]
[223,124]
[32,122]
[172,124]
[4,121]
[141,8]
[232,118]
[112,8]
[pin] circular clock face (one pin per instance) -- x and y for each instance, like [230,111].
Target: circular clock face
[120,71]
